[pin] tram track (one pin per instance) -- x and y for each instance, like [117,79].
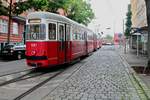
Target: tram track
[45,76]
[26,76]
[16,72]
[76,67]
[40,84]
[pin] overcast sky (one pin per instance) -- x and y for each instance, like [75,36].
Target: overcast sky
[109,13]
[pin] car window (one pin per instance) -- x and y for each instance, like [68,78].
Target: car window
[8,46]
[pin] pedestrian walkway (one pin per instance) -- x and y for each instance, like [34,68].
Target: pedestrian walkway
[132,58]
[104,76]
[136,61]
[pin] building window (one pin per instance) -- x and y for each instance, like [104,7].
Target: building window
[3,26]
[15,28]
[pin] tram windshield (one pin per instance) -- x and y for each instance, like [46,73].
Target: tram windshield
[36,32]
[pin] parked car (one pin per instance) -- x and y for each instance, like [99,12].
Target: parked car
[15,51]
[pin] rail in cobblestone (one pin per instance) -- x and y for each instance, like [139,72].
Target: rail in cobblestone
[103,77]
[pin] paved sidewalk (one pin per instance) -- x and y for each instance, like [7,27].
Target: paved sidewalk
[132,58]
[136,61]
[103,77]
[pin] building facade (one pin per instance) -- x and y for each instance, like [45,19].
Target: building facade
[16,30]
[139,22]
[138,10]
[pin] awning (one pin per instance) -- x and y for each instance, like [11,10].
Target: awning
[18,18]
[138,30]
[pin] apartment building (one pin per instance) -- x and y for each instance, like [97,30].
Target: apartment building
[138,9]
[16,30]
[139,21]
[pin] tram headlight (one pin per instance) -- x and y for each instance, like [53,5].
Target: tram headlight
[33,53]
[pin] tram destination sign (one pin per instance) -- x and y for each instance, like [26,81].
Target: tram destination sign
[34,21]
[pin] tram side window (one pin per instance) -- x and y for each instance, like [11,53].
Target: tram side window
[61,33]
[68,32]
[82,36]
[52,31]
[75,36]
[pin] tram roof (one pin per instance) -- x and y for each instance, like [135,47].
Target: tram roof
[53,16]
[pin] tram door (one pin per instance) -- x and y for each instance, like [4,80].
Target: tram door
[86,42]
[61,45]
[68,45]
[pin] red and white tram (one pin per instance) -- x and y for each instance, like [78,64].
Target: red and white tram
[52,39]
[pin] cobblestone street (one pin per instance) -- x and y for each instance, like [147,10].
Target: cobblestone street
[102,77]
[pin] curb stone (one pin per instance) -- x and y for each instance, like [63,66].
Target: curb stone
[142,89]
[142,85]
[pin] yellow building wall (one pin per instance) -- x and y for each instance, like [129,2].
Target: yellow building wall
[138,9]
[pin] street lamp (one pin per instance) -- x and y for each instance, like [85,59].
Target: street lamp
[124,38]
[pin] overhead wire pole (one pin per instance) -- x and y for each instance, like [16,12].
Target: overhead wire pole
[9,22]
[113,28]
[124,38]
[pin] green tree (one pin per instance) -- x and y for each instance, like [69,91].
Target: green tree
[53,5]
[80,11]
[37,5]
[147,2]
[3,9]
[109,37]
[77,10]
[20,7]
[128,22]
